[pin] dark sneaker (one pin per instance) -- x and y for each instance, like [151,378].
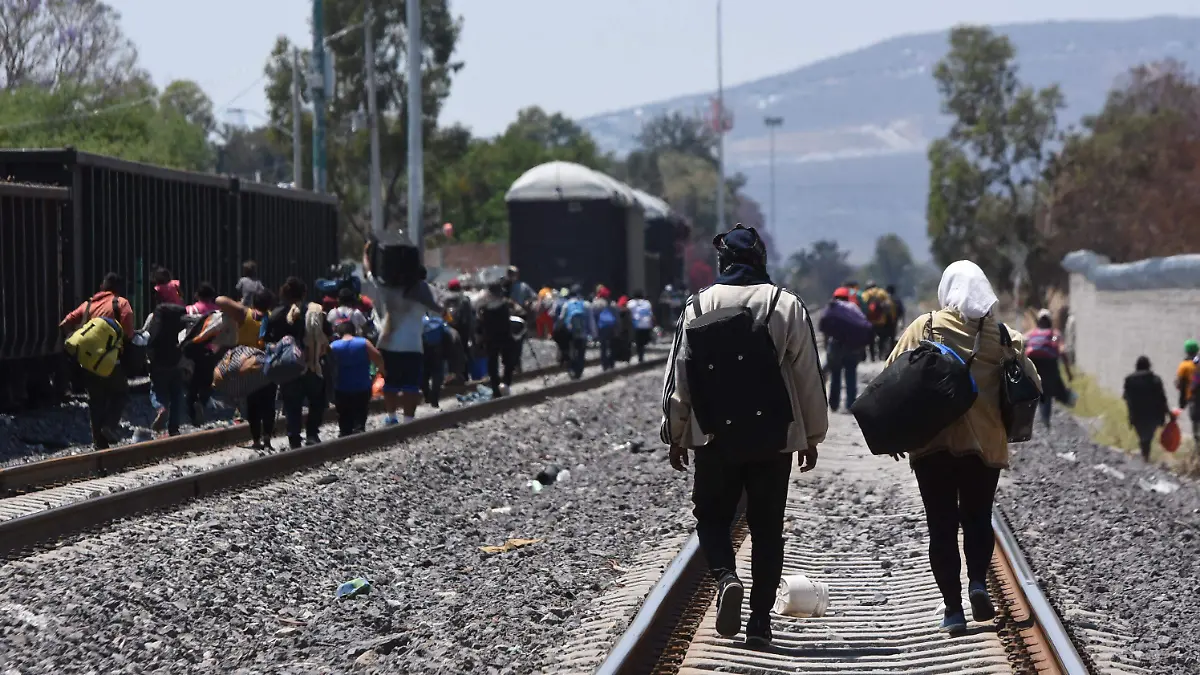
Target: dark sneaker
[160,420]
[981,603]
[295,442]
[729,605]
[955,621]
[758,630]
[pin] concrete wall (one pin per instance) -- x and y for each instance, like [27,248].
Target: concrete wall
[468,257]
[1113,328]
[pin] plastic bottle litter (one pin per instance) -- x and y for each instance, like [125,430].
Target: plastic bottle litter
[353,588]
[536,486]
[563,476]
[549,474]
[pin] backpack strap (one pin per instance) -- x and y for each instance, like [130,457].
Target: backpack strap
[774,301]
[695,303]
[929,328]
[975,351]
[1005,338]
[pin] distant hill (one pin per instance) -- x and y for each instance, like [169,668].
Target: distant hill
[850,158]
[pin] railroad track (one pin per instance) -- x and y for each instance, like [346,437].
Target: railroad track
[856,524]
[53,499]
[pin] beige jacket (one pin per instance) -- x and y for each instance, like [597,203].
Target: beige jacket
[796,346]
[981,430]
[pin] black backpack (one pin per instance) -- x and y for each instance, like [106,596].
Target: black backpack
[737,389]
[495,323]
[922,392]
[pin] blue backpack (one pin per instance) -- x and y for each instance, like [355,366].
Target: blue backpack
[606,320]
[575,318]
[434,331]
[284,361]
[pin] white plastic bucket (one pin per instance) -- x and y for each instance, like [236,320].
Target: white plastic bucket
[800,596]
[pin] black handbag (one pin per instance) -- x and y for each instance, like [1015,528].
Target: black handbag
[1019,395]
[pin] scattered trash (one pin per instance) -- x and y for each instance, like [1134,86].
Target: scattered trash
[549,474]
[1106,469]
[480,394]
[800,596]
[563,476]
[510,545]
[633,447]
[142,435]
[354,588]
[327,479]
[616,567]
[502,509]
[1160,486]
[534,485]
[287,631]
[1069,456]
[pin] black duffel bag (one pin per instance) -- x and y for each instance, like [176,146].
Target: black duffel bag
[914,399]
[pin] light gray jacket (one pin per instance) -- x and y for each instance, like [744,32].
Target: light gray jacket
[795,343]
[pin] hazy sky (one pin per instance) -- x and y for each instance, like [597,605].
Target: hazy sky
[580,57]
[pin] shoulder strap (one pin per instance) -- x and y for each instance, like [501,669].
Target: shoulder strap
[87,311]
[695,303]
[1005,338]
[774,301]
[929,328]
[975,351]
[116,309]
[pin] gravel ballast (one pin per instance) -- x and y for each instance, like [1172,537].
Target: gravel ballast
[64,429]
[246,581]
[1101,538]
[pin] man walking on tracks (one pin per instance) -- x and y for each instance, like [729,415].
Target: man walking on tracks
[743,390]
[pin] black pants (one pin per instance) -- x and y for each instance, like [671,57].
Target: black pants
[717,489]
[879,343]
[957,490]
[434,375]
[1145,434]
[308,388]
[260,414]
[107,397]
[641,338]
[352,409]
[201,385]
[501,351]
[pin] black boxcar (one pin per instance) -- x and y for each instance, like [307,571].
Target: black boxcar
[31,305]
[288,233]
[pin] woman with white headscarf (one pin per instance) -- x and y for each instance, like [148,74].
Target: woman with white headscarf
[958,470]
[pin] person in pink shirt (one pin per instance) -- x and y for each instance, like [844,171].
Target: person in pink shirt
[206,300]
[166,288]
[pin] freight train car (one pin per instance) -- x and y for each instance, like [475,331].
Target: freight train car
[569,224]
[31,269]
[125,217]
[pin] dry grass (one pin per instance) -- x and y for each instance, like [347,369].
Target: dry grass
[1108,420]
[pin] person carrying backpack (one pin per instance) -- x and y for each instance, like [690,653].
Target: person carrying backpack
[1044,348]
[495,331]
[958,470]
[642,313]
[460,315]
[437,346]
[98,330]
[1186,371]
[257,402]
[291,320]
[578,325]
[847,333]
[877,305]
[167,388]
[743,391]
[606,327]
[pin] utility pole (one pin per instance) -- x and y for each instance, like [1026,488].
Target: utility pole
[373,125]
[320,82]
[416,173]
[720,130]
[773,123]
[297,169]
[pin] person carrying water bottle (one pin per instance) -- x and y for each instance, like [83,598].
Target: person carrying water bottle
[643,323]
[606,326]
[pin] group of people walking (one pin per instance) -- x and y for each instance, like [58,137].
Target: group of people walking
[743,392]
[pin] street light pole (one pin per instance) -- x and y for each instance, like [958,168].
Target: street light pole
[773,123]
[373,125]
[416,174]
[320,82]
[720,130]
[297,169]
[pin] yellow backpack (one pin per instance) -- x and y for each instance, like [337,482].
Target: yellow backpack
[97,344]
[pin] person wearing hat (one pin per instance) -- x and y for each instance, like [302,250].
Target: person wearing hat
[1186,371]
[759,401]
[847,332]
[1044,348]
[460,315]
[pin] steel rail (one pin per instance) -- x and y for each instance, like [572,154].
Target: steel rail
[1061,645]
[29,532]
[34,476]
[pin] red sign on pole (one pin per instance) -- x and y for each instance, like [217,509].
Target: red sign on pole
[719,120]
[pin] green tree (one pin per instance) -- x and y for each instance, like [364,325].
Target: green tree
[346,138]
[892,265]
[189,100]
[815,272]
[986,174]
[65,43]
[131,124]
